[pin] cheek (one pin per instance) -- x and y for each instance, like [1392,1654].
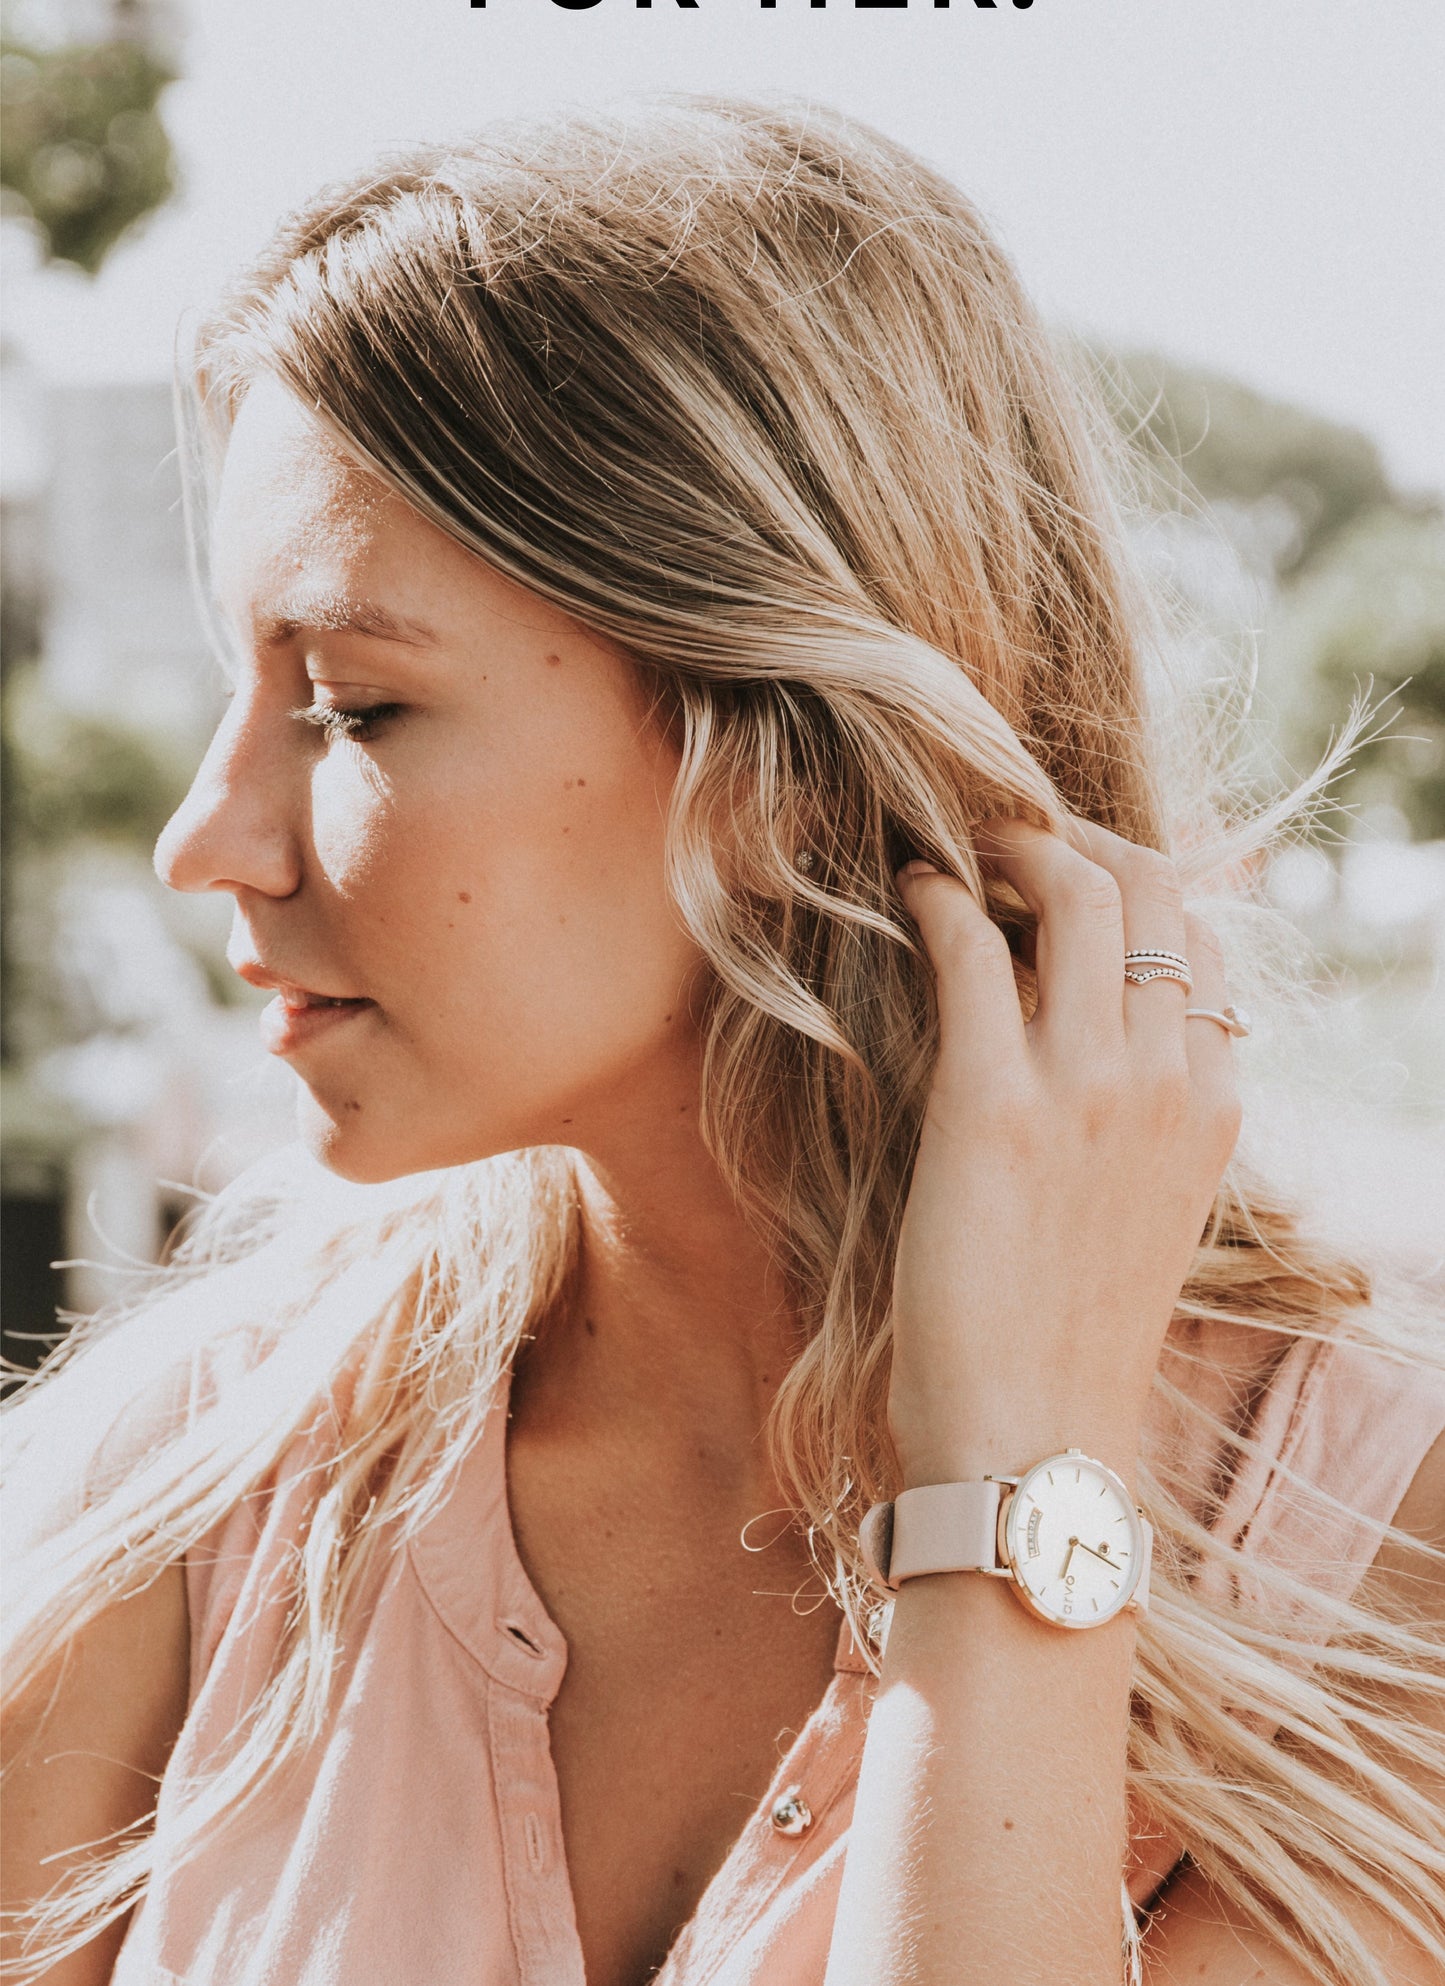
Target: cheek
[563,963]
[357,836]
[511,921]
[454,914]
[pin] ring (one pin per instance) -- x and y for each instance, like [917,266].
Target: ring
[1159,972]
[1232,1019]
[1157,958]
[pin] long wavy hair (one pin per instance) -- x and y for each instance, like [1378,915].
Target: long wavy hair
[752,391]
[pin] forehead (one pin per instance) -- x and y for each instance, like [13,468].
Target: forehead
[304,532]
[292,500]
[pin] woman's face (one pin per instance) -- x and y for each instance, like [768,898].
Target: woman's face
[476,871]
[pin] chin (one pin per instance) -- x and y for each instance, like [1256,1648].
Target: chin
[369,1146]
[341,1139]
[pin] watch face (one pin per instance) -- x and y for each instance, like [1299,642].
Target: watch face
[1073,1541]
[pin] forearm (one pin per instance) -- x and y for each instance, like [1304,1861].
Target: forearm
[1067,1165]
[988,1837]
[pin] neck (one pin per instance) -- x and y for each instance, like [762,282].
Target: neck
[679,1329]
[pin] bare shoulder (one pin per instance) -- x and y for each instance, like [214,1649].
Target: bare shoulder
[85,1747]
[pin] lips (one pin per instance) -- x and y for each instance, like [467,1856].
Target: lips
[295,1020]
[256,974]
[297,1000]
[299,1014]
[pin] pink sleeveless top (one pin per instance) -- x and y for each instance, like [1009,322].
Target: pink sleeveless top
[419,1843]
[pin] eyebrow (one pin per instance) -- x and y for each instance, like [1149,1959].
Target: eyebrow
[335,613]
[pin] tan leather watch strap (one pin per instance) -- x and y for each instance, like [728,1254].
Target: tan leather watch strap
[938,1527]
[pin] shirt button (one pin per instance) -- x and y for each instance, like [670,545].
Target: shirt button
[792,1814]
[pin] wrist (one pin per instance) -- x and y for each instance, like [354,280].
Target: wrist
[1010,1441]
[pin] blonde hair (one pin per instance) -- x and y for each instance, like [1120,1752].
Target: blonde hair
[752,391]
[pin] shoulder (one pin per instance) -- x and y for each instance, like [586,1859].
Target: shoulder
[1297,1450]
[122,1399]
[1364,1423]
[1198,1930]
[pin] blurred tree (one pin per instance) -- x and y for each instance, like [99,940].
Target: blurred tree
[1354,569]
[1199,432]
[1372,608]
[83,156]
[83,152]
[81,777]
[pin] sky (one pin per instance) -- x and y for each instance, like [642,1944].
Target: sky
[1257,187]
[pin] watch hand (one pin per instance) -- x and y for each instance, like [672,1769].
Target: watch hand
[1103,1557]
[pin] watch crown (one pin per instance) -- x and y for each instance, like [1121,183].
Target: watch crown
[1073,1451]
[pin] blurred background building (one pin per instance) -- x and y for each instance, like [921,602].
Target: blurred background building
[131,1072]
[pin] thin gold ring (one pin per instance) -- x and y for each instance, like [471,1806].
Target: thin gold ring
[1233,1020]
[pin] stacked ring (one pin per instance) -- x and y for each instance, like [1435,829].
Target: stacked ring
[1157,958]
[1160,972]
[1142,966]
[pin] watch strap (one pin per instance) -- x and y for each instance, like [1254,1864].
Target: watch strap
[937,1527]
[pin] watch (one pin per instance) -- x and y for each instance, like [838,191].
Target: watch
[1067,1533]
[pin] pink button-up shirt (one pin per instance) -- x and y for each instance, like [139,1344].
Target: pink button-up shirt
[419,1842]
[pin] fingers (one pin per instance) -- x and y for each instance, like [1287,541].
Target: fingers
[982,1042]
[1079,947]
[1154,921]
[1208,1048]
[1096,896]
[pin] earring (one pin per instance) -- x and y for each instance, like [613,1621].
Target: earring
[805,860]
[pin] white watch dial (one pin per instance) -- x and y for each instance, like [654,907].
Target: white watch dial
[1073,1541]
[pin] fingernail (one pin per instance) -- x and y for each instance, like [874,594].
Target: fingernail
[918,867]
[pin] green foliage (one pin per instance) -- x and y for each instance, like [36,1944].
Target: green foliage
[79,776]
[82,147]
[1230,445]
[1374,610]
[1356,570]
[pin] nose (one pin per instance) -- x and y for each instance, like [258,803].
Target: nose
[235,829]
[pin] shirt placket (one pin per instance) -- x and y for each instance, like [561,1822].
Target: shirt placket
[540,1907]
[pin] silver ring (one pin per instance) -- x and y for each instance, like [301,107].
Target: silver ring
[1233,1020]
[1157,958]
[1159,972]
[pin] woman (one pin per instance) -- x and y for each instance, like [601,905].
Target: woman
[690,786]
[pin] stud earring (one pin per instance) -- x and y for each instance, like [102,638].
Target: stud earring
[805,860]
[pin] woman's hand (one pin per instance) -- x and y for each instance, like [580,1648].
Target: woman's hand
[1067,1165]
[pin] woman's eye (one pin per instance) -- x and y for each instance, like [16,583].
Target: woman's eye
[360,726]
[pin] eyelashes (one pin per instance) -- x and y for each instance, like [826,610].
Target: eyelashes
[357,726]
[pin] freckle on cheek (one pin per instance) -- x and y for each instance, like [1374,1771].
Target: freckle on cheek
[554,661]
[352,1104]
[464,896]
